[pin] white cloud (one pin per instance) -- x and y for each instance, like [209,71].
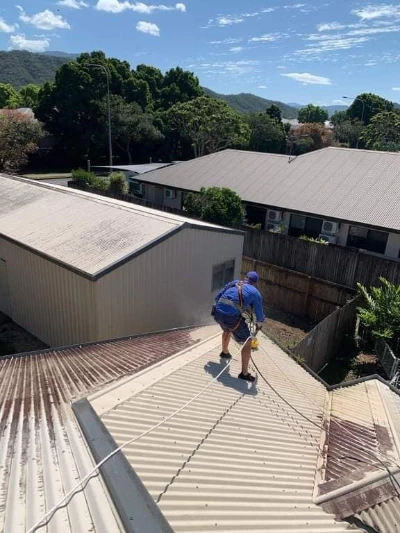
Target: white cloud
[7,28]
[395,88]
[267,37]
[374,31]
[233,69]
[262,87]
[228,20]
[376,11]
[308,79]
[329,26]
[148,27]
[73,4]
[340,102]
[45,20]
[115,6]
[20,42]
[236,49]
[227,41]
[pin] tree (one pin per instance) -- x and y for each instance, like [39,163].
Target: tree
[9,98]
[373,105]
[19,137]
[348,132]
[310,137]
[29,95]
[179,86]
[217,205]
[266,134]
[383,132]
[274,112]
[380,314]
[210,125]
[339,117]
[313,114]
[131,126]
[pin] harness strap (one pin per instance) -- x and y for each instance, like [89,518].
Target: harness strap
[239,306]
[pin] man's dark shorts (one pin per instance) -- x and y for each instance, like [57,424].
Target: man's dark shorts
[229,323]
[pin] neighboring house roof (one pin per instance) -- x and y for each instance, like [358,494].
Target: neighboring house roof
[138,169]
[295,124]
[85,232]
[42,452]
[359,186]
[244,458]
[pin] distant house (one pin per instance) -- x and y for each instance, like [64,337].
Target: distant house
[349,197]
[76,267]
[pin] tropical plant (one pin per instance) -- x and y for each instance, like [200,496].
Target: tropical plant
[117,184]
[217,205]
[380,314]
[312,239]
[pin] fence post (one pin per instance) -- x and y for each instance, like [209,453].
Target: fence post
[306,296]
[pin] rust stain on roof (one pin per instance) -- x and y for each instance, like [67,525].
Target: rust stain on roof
[35,419]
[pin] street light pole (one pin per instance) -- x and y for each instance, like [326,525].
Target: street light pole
[362,112]
[105,69]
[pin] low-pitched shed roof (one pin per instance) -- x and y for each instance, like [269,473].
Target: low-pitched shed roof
[334,183]
[82,231]
[42,452]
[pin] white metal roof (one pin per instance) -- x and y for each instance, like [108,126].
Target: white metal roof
[239,458]
[137,169]
[43,454]
[354,185]
[83,231]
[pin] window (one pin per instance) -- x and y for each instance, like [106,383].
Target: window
[222,274]
[135,187]
[367,239]
[302,225]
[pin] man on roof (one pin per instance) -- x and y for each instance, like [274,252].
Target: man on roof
[231,304]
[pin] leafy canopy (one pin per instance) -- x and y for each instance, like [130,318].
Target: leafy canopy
[19,137]
[383,132]
[217,205]
[313,114]
[210,125]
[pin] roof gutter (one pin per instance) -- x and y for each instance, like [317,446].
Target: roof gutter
[360,484]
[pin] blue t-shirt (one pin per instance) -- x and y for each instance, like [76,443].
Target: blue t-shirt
[251,300]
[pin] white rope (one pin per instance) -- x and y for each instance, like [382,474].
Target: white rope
[131,441]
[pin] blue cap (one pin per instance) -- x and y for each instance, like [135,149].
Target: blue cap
[253,277]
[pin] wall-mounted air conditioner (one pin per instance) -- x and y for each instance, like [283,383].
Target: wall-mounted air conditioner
[170,193]
[274,216]
[273,228]
[332,239]
[330,228]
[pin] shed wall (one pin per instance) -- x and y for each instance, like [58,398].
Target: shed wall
[169,286]
[49,301]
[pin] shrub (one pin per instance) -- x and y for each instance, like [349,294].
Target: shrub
[117,184]
[85,180]
[311,239]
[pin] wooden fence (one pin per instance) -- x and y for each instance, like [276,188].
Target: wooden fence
[297,293]
[337,264]
[322,343]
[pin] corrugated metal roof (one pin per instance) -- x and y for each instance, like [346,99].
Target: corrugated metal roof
[353,185]
[138,169]
[238,459]
[83,231]
[42,453]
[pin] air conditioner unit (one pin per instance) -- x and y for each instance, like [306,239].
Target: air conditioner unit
[273,228]
[332,239]
[170,193]
[330,228]
[275,216]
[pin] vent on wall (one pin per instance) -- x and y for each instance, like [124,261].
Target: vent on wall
[170,193]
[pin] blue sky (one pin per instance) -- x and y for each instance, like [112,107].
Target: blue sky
[314,51]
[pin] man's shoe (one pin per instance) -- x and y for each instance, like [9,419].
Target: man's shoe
[246,377]
[225,355]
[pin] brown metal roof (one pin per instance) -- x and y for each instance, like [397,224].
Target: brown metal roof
[42,454]
[354,185]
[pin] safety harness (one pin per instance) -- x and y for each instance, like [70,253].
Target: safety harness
[238,306]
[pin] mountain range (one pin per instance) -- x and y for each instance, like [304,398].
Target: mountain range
[20,68]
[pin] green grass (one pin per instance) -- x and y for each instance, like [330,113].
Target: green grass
[48,176]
